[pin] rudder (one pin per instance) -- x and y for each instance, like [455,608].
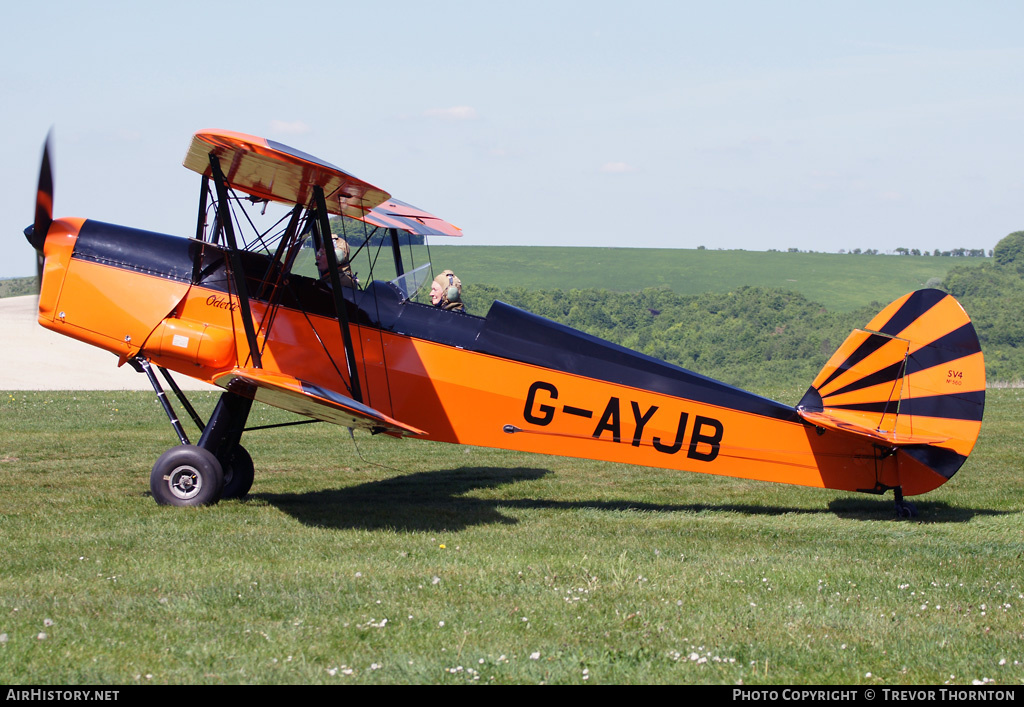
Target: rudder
[914,380]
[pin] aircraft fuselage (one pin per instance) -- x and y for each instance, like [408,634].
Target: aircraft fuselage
[509,380]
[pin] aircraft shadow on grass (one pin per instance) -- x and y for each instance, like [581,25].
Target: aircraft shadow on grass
[929,512]
[435,501]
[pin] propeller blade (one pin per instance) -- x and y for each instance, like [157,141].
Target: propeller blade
[44,201]
[39,272]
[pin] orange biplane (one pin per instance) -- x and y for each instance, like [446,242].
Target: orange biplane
[898,406]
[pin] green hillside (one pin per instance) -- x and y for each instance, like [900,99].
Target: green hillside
[840,282]
[17,286]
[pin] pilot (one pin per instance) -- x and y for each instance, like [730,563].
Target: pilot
[446,292]
[341,254]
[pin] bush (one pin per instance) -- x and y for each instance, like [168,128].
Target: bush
[1009,252]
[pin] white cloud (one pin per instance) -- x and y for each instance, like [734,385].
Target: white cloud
[295,127]
[617,168]
[453,113]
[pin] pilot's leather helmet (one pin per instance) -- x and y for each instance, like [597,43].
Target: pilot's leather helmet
[451,286]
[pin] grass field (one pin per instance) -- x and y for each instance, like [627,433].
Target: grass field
[395,561]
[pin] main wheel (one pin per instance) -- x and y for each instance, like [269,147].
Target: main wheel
[186,476]
[239,472]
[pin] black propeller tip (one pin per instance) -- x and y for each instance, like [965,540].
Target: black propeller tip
[44,200]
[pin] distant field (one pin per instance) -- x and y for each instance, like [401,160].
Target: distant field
[840,282]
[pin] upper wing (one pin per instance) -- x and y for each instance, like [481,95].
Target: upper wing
[311,400]
[398,214]
[270,170]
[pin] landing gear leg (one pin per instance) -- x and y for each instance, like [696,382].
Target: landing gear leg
[239,472]
[221,438]
[215,468]
[904,509]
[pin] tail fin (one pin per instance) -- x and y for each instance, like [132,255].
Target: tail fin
[913,379]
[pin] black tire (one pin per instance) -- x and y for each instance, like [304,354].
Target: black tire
[186,476]
[239,472]
[906,510]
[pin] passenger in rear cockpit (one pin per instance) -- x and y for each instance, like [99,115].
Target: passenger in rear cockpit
[341,254]
[446,292]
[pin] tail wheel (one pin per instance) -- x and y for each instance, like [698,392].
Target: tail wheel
[186,476]
[239,472]
[906,510]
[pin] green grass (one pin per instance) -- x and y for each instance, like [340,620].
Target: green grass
[393,561]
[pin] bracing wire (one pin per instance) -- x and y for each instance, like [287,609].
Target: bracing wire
[352,434]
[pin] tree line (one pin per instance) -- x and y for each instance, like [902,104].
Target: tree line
[954,253]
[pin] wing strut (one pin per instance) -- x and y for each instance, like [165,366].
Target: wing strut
[396,251]
[339,300]
[201,220]
[237,270]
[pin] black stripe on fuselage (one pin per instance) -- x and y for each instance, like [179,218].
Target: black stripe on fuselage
[145,252]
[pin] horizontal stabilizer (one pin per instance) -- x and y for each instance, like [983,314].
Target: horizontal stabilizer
[821,419]
[311,400]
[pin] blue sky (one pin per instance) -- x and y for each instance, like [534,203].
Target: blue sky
[754,125]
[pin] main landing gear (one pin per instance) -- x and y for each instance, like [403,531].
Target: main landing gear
[214,468]
[905,510]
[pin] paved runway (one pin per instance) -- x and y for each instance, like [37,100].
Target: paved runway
[34,358]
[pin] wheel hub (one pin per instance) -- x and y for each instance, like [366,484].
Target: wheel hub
[184,482]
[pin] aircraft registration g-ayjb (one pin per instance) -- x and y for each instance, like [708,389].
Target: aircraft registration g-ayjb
[274,314]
